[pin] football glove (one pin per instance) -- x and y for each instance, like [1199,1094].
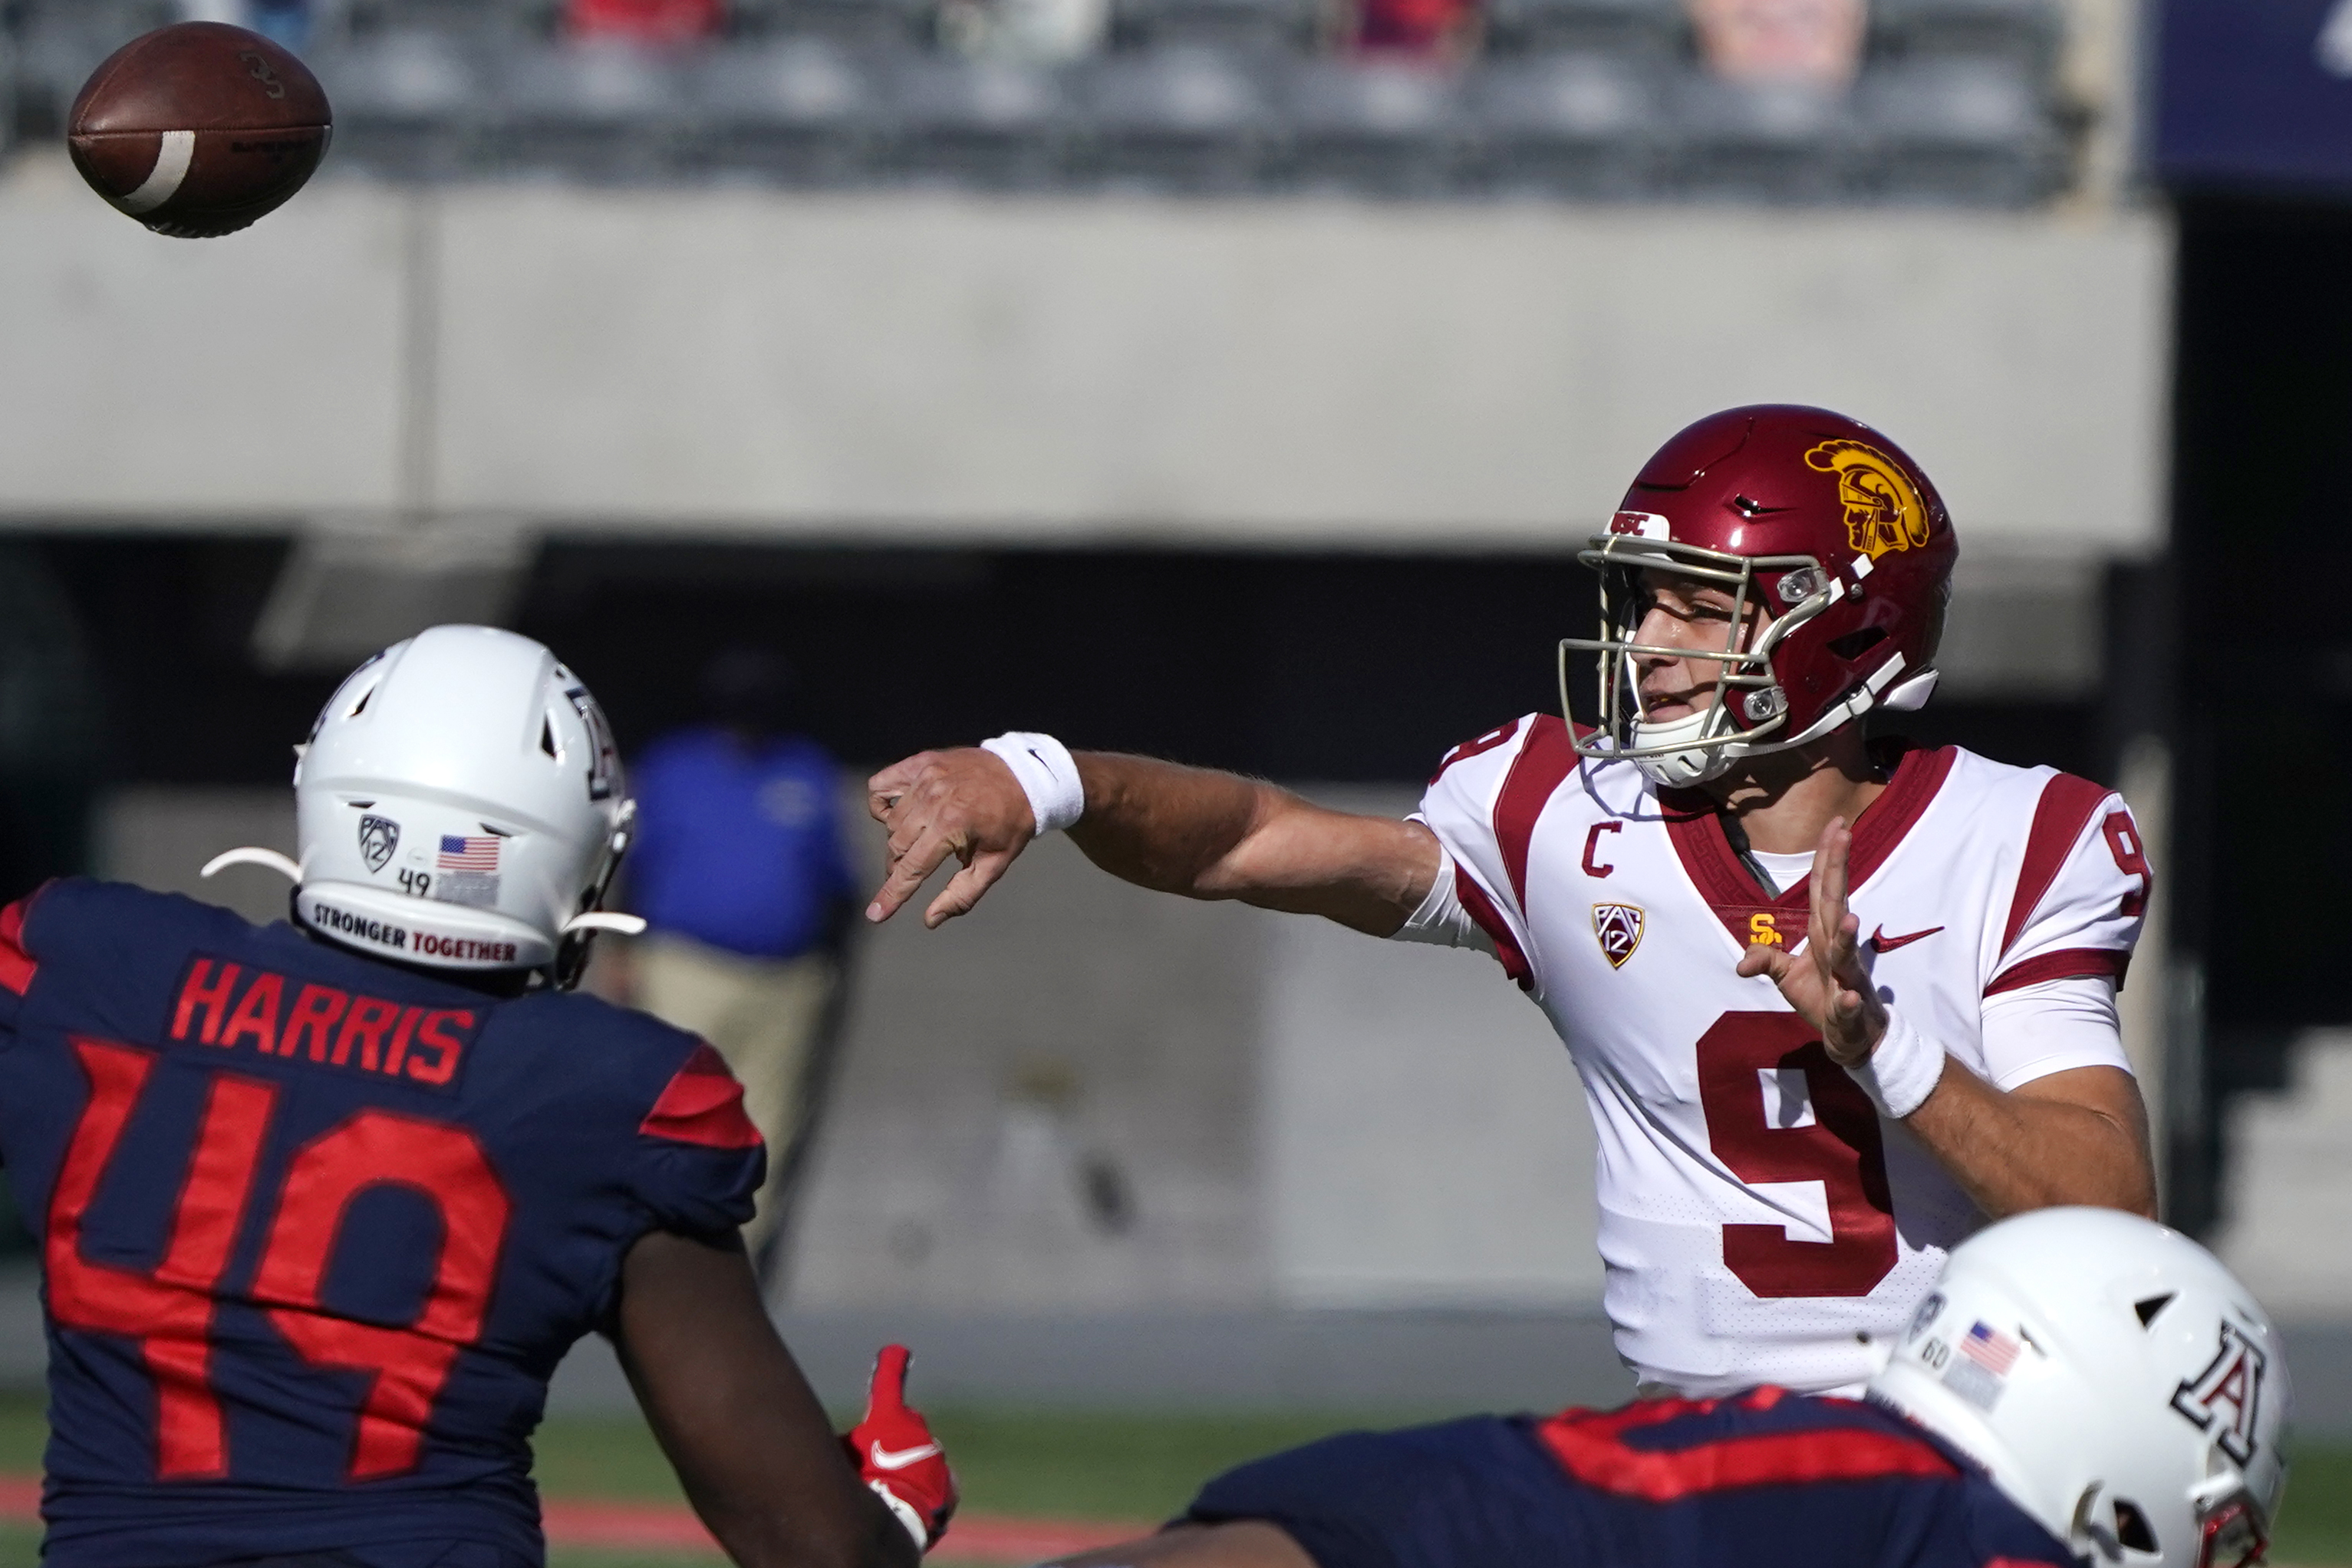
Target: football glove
[897,1456]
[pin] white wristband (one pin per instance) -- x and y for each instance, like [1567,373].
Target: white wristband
[905,1513]
[1048,777]
[1903,1071]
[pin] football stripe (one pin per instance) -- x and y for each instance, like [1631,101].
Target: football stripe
[171,159]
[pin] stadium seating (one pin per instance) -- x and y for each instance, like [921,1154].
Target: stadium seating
[1175,117]
[801,110]
[1594,99]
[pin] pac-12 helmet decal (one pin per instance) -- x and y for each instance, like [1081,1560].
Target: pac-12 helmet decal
[1825,533]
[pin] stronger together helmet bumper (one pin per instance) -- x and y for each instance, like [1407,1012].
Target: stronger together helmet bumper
[1750,711]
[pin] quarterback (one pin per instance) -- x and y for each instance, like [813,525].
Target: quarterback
[1833,1002]
[323,1205]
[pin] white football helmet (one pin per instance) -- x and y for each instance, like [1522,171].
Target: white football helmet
[459,804]
[2118,1383]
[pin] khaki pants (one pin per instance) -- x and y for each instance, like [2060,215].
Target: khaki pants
[763,1016]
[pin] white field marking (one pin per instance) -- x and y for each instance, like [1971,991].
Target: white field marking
[172,160]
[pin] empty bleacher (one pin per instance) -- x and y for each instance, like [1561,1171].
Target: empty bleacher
[1600,100]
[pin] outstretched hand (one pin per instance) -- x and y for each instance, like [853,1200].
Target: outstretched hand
[1825,981]
[964,802]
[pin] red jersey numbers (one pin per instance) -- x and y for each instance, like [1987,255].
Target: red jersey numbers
[2131,859]
[169,1311]
[446,1164]
[1817,1126]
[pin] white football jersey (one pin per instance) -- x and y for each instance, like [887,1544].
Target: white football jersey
[1760,1222]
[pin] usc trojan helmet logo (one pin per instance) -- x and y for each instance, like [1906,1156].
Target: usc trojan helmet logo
[1883,509]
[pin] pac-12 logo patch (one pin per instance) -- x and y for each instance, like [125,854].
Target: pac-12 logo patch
[1619,927]
[2226,1397]
[1883,508]
[379,836]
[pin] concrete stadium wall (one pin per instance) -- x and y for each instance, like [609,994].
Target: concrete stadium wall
[928,366]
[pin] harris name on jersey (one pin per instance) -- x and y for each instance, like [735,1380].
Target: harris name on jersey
[229,1006]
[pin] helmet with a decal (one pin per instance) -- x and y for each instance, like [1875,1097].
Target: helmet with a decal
[2117,1382]
[459,804]
[1814,519]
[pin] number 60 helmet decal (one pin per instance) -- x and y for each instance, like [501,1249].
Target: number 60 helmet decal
[459,804]
[2118,1383]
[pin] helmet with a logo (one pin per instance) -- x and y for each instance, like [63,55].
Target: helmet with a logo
[459,804]
[1815,521]
[2116,1381]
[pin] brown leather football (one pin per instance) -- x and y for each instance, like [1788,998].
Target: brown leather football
[199,129]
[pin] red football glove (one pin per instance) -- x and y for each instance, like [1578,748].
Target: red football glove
[897,1456]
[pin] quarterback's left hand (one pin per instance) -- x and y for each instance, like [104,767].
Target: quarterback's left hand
[1826,983]
[897,1456]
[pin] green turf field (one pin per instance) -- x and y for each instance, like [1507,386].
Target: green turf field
[1064,1466]
[1084,1466]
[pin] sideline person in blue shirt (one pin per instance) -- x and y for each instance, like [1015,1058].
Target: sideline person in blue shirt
[740,873]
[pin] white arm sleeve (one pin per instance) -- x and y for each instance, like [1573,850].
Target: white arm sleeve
[2036,1030]
[1441,919]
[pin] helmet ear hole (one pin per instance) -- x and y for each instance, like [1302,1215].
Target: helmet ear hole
[2132,1532]
[2148,1308]
[1855,644]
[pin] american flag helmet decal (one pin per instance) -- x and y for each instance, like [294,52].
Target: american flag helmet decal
[479,853]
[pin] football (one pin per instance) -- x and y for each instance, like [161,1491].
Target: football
[199,129]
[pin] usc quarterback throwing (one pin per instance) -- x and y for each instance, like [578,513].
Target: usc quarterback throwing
[1833,1003]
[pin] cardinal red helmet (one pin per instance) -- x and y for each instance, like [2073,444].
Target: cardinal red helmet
[1822,522]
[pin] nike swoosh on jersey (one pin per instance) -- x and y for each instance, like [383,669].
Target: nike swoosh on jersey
[1882,943]
[898,1458]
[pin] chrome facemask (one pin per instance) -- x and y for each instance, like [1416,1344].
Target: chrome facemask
[1679,752]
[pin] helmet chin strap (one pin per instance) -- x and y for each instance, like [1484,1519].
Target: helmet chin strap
[1706,759]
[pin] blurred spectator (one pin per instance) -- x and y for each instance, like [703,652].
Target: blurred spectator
[656,22]
[740,873]
[1040,32]
[1810,42]
[284,22]
[1438,30]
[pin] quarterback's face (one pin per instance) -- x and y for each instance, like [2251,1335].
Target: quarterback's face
[1682,612]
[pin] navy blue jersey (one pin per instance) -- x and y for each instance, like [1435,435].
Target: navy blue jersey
[1768,1480]
[315,1229]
